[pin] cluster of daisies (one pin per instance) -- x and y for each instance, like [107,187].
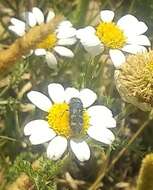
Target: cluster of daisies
[127,35]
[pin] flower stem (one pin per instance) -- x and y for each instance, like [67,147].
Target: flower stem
[120,154]
[8,138]
[82,11]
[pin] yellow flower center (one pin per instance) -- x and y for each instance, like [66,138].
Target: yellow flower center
[48,43]
[58,119]
[111,35]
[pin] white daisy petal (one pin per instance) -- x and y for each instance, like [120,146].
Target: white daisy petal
[30,19]
[90,40]
[81,33]
[28,54]
[40,52]
[103,135]
[17,30]
[127,21]
[99,111]
[12,28]
[40,131]
[16,21]
[71,93]
[81,150]
[134,49]
[88,97]
[66,32]
[94,50]
[32,126]
[135,29]
[108,123]
[107,15]
[141,28]
[66,41]
[139,40]
[90,29]
[117,57]
[56,92]
[63,51]
[40,100]
[65,23]
[56,148]
[38,15]
[51,60]
[98,119]
[50,16]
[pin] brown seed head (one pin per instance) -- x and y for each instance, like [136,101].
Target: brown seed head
[134,80]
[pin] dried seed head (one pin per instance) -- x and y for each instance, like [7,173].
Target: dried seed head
[134,80]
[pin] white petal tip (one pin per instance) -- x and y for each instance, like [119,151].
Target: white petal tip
[81,150]
[107,15]
[56,148]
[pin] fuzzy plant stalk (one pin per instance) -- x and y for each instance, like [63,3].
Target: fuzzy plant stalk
[23,45]
[145,179]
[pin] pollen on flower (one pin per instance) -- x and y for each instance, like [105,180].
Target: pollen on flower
[49,42]
[111,35]
[58,119]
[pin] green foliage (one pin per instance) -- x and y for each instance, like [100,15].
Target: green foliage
[15,170]
[42,172]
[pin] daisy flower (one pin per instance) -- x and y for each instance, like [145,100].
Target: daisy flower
[54,43]
[127,35]
[56,128]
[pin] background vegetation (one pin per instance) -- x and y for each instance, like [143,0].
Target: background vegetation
[23,166]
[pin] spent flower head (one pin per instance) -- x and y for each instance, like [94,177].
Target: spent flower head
[124,36]
[134,80]
[54,44]
[70,120]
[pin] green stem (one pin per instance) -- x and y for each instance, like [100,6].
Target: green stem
[4,90]
[8,138]
[88,72]
[120,154]
[17,123]
[131,6]
[82,11]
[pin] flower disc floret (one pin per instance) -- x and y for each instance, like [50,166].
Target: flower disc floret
[48,43]
[111,35]
[58,119]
